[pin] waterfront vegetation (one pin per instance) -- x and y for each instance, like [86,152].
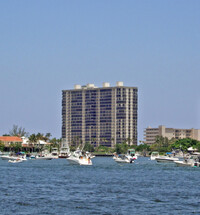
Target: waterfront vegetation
[33,141]
[162,144]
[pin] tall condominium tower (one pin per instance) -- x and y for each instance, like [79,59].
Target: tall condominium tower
[105,115]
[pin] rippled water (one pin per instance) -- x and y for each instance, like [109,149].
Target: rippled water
[56,187]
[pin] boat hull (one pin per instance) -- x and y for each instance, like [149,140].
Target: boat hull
[181,163]
[8,158]
[44,158]
[119,160]
[166,160]
[15,161]
[78,161]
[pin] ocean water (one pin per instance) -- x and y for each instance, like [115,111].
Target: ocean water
[56,187]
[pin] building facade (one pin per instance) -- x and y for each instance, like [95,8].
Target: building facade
[100,116]
[151,133]
[8,140]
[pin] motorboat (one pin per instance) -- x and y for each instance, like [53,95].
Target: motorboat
[77,157]
[23,158]
[123,159]
[32,157]
[54,153]
[64,152]
[89,154]
[166,159]
[154,155]
[8,157]
[43,157]
[193,161]
[18,160]
[131,155]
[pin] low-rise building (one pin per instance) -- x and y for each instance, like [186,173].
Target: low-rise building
[8,140]
[177,133]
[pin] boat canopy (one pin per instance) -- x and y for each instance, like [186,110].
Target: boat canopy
[131,151]
[168,153]
[155,153]
[20,153]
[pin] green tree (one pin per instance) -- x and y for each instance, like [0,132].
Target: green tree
[121,148]
[18,131]
[88,147]
[185,143]
[2,146]
[143,147]
[33,138]
[103,149]
[16,147]
[47,137]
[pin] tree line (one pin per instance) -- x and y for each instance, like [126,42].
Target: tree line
[18,131]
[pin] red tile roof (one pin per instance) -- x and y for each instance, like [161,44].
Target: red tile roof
[10,139]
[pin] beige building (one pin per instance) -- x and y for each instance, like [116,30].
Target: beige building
[100,115]
[151,133]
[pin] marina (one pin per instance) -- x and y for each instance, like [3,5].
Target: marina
[106,187]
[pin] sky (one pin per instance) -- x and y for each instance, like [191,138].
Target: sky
[49,46]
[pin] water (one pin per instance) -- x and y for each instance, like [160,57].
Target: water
[55,187]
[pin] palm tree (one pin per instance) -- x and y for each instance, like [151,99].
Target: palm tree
[47,137]
[33,140]
[18,131]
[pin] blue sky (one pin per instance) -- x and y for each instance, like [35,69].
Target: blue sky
[48,46]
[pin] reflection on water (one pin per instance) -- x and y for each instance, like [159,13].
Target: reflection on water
[55,187]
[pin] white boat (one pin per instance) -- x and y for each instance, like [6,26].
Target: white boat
[18,160]
[123,159]
[23,158]
[154,155]
[131,155]
[166,159]
[32,157]
[78,157]
[8,157]
[90,155]
[64,152]
[54,153]
[193,161]
[44,157]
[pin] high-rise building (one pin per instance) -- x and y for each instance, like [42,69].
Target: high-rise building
[100,116]
[177,133]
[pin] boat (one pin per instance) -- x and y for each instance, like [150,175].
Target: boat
[166,159]
[89,154]
[78,157]
[154,155]
[54,153]
[131,154]
[18,160]
[43,157]
[32,157]
[64,152]
[123,159]
[8,157]
[23,158]
[193,161]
